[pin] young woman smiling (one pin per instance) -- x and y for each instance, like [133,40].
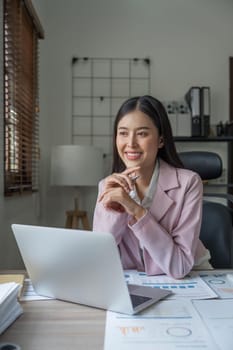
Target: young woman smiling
[151,205]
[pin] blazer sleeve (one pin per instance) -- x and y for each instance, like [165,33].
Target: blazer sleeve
[173,251]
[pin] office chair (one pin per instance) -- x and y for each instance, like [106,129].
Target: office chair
[217,220]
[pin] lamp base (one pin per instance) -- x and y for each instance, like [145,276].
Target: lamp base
[74,216]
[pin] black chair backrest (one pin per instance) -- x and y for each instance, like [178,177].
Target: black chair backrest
[216,233]
[217,227]
[207,164]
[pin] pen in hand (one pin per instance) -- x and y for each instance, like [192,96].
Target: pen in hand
[132,193]
[134,178]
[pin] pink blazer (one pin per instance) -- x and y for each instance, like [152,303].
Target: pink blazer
[168,232]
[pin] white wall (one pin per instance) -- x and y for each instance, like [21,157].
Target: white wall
[188,41]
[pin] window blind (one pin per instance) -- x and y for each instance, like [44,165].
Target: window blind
[21,102]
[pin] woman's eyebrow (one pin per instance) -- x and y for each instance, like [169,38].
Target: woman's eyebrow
[139,128]
[143,128]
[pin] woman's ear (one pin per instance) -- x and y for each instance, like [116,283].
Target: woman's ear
[161,142]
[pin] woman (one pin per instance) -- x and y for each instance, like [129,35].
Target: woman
[151,205]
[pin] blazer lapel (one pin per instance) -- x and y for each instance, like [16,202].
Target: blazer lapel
[167,180]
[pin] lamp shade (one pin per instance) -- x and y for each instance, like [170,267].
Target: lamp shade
[76,165]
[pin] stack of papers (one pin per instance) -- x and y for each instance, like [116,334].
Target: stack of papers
[10,309]
[17,278]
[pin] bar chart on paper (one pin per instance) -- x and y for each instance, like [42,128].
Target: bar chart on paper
[191,287]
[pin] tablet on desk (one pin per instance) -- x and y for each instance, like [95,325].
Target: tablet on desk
[82,267]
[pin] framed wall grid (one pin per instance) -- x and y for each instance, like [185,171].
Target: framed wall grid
[99,86]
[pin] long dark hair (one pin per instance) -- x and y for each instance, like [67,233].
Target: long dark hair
[154,109]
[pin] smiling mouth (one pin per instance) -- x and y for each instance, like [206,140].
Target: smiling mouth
[133,155]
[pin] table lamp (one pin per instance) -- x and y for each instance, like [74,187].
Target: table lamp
[76,165]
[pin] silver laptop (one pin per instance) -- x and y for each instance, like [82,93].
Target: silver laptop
[82,267]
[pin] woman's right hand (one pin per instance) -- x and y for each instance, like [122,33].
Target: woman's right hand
[123,180]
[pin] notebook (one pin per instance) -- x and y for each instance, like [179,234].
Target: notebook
[82,267]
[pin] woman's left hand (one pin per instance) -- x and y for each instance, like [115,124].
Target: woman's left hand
[119,200]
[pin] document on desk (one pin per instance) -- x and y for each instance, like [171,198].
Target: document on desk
[190,287]
[167,325]
[217,315]
[220,282]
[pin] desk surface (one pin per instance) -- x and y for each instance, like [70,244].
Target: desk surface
[59,325]
[53,324]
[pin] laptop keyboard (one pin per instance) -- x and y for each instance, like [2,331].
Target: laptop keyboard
[138,300]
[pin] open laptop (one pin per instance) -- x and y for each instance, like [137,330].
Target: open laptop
[82,267]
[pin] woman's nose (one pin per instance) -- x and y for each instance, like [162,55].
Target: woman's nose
[132,140]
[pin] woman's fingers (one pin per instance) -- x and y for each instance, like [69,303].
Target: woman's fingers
[131,171]
[126,179]
[115,206]
[116,180]
[118,200]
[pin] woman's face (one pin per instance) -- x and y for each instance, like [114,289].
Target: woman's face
[138,140]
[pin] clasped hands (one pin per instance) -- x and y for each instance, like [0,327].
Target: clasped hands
[116,193]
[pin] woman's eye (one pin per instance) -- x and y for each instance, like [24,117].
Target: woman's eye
[122,133]
[142,133]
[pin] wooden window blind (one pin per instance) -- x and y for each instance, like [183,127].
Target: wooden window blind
[21,105]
